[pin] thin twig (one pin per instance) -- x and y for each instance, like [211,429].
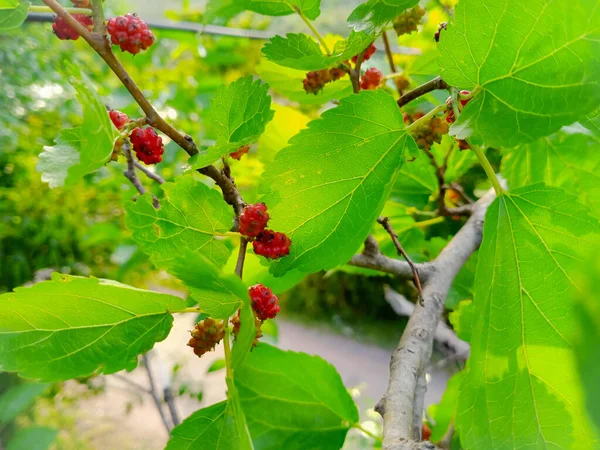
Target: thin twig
[390,58]
[132,383]
[355,73]
[431,85]
[131,175]
[154,393]
[385,223]
[168,396]
[239,267]
[153,176]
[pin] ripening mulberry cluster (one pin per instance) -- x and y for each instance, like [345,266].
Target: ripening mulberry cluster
[316,80]
[371,79]
[252,224]
[130,33]
[371,49]
[63,30]
[463,98]
[147,144]
[241,151]
[235,321]
[264,303]
[425,135]
[206,335]
[408,21]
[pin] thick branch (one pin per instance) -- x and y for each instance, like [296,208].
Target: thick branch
[414,350]
[432,85]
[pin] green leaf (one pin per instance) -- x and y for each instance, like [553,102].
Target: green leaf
[218,295]
[288,83]
[294,401]
[443,412]
[569,161]
[300,51]
[8,4]
[17,399]
[217,365]
[190,216]
[587,309]
[211,428]
[592,122]
[416,182]
[522,390]
[33,438]
[83,149]
[239,113]
[338,169]
[532,75]
[72,327]
[373,15]
[463,319]
[223,10]
[309,8]
[13,14]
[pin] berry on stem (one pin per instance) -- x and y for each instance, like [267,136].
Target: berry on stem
[130,33]
[371,79]
[235,321]
[148,145]
[241,151]
[253,220]
[264,302]
[428,133]
[368,53]
[316,80]
[272,244]
[63,30]
[206,335]
[118,118]
[408,21]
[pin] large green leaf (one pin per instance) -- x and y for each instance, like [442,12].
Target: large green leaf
[13,15]
[239,113]
[570,161]
[72,327]
[522,388]
[535,66]
[416,182]
[190,216]
[294,401]
[83,149]
[443,412]
[309,8]
[300,51]
[463,319]
[340,168]
[17,399]
[373,15]
[592,122]
[217,294]
[212,428]
[32,438]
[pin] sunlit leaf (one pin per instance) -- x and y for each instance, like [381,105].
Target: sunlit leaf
[12,14]
[72,327]
[309,8]
[373,15]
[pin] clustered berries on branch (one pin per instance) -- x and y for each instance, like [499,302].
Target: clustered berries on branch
[235,321]
[63,30]
[241,151]
[206,335]
[147,144]
[427,133]
[118,118]
[368,53]
[371,79]
[130,33]
[408,21]
[252,224]
[316,80]
[264,303]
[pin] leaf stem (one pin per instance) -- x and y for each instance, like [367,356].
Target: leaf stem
[227,347]
[314,31]
[358,426]
[45,9]
[424,223]
[193,309]
[489,170]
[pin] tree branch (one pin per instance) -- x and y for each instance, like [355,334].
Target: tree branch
[414,350]
[154,394]
[390,58]
[432,85]
[153,176]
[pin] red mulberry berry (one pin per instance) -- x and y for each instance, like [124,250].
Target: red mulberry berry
[315,81]
[118,118]
[206,335]
[240,152]
[271,244]
[336,73]
[464,97]
[371,79]
[130,33]
[264,302]
[63,30]
[368,53]
[235,321]
[253,220]
[148,145]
